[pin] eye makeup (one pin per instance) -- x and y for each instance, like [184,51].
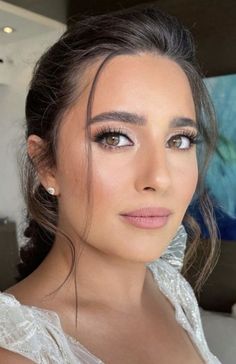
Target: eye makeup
[115,134]
[110,137]
[192,136]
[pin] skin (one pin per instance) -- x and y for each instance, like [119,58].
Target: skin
[146,171]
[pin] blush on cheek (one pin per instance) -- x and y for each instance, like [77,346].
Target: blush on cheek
[109,177]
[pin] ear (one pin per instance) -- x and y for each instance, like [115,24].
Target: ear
[46,175]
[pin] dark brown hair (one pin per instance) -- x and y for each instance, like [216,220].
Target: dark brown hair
[56,86]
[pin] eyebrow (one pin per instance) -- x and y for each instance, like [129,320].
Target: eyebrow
[133,118]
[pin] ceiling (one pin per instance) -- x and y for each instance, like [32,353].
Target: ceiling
[32,33]
[26,24]
[212,22]
[55,9]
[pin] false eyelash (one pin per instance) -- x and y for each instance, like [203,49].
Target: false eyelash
[106,130]
[193,136]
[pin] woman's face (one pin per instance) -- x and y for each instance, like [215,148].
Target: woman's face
[142,157]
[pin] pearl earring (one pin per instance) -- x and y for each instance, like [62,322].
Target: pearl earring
[51,190]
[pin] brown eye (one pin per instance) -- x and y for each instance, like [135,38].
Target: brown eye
[181,142]
[112,139]
[175,142]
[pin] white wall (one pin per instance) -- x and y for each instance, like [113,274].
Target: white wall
[20,57]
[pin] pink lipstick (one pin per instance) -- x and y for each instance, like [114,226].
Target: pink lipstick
[148,217]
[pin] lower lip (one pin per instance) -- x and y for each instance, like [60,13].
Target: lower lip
[148,222]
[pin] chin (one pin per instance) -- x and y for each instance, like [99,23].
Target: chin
[142,252]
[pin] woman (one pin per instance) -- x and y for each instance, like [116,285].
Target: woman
[114,112]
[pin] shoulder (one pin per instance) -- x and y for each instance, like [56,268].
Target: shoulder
[8,357]
[18,328]
[14,315]
[28,331]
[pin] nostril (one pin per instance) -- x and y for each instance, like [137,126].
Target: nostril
[150,188]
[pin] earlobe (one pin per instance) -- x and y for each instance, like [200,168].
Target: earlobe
[46,175]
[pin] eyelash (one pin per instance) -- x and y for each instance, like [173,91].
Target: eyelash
[106,131]
[193,137]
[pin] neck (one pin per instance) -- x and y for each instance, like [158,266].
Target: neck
[100,278]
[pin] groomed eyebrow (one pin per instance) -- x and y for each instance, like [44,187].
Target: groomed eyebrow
[182,121]
[123,116]
[133,118]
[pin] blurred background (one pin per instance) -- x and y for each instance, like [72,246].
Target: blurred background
[27,28]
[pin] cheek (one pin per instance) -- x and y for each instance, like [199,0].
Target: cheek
[108,182]
[111,175]
[186,178]
[72,179]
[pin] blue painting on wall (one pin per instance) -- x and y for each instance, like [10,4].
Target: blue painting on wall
[221,175]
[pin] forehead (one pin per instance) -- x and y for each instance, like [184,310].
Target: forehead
[141,81]
[145,84]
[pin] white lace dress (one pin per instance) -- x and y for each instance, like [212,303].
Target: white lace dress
[37,333]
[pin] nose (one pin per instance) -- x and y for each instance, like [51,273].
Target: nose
[153,170]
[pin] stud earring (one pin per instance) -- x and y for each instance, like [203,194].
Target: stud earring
[51,191]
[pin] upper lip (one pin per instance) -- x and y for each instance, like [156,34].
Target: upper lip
[149,211]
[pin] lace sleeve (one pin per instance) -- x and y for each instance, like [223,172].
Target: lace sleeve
[22,332]
[17,332]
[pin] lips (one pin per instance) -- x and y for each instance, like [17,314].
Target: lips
[147,218]
[149,212]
